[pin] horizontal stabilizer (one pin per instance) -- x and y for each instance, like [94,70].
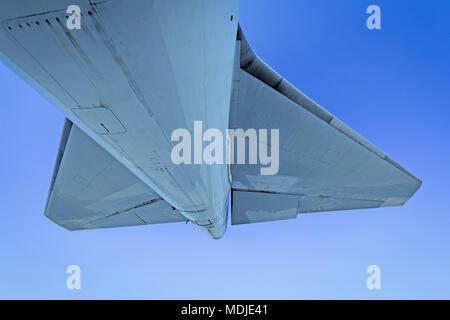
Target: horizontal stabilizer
[323,164]
[90,189]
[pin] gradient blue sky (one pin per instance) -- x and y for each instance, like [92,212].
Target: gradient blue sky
[391,85]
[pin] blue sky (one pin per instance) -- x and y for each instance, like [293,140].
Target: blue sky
[391,85]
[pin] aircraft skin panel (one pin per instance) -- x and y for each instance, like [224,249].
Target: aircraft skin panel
[90,189]
[252,207]
[127,69]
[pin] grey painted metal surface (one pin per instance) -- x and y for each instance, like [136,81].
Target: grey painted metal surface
[136,71]
[156,65]
[324,165]
[92,190]
[251,207]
